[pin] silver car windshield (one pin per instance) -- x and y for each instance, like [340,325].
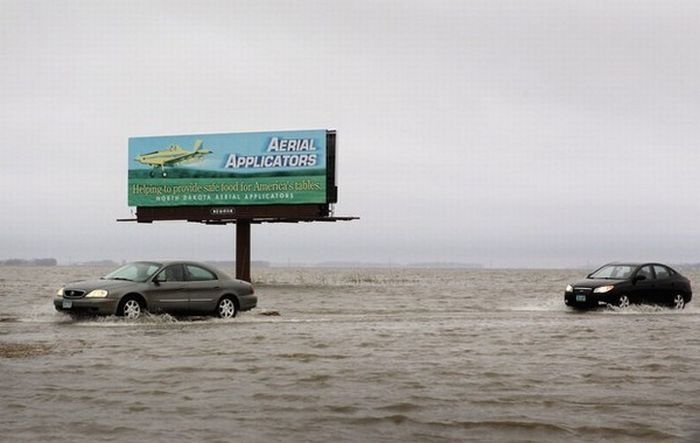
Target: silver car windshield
[138,271]
[613,272]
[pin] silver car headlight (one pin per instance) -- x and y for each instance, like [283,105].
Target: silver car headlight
[569,288]
[603,289]
[97,293]
[59,293]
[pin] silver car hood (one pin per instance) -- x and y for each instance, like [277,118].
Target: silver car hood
[89,285]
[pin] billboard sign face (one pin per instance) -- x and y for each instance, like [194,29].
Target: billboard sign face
[255,168]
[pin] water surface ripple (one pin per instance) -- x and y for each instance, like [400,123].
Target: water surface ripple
[354,355]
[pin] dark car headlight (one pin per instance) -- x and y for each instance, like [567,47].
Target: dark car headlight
[569,288]
[603,289]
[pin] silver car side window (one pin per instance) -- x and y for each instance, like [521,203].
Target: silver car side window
[196,273]
[171,273]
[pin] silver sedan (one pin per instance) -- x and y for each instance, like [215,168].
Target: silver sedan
[171,286]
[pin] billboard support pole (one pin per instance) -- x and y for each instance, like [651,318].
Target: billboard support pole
[243,250]
[261,177]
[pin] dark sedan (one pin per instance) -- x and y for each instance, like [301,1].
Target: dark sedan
[173,286]
[622,284]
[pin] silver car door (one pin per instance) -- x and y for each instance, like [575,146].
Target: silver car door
[203,288]
[167,291]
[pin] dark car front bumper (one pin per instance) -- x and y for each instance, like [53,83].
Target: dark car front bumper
[588,299]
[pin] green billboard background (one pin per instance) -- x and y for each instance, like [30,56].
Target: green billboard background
[264,168]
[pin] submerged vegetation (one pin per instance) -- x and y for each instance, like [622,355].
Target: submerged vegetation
[23,350]
[32,262]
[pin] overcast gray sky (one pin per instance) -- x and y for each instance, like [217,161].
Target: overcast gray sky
[508,133]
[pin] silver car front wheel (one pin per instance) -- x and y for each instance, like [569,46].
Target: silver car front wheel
[131,309]
[226,308]
[678,301]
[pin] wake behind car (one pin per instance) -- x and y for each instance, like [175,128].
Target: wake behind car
[622,284]
[171,286]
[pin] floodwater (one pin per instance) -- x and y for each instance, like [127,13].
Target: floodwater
[354,355]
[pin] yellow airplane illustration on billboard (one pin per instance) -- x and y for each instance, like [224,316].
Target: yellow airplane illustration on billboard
[172,156]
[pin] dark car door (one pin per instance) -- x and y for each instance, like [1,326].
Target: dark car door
[644,285]
[167,291]
[664,285]
[203,288]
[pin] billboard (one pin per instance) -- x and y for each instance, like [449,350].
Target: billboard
[238,169]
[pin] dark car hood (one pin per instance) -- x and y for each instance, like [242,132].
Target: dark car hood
[595,282]
[88,285]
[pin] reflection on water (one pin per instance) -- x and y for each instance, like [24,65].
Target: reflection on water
[352,355]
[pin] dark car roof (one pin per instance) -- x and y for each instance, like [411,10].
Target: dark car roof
[641,263]
[638,265]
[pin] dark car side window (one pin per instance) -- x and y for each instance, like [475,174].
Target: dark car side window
[662,272]
[195,273]
[171,273]
[646,272]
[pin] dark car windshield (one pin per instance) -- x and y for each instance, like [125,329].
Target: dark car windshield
[614,272]
[138,271]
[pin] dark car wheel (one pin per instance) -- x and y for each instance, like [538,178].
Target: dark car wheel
[678,301]
[131,308]
[623,301]
[226,308]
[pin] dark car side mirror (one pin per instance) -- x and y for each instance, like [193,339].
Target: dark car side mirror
[640,278]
